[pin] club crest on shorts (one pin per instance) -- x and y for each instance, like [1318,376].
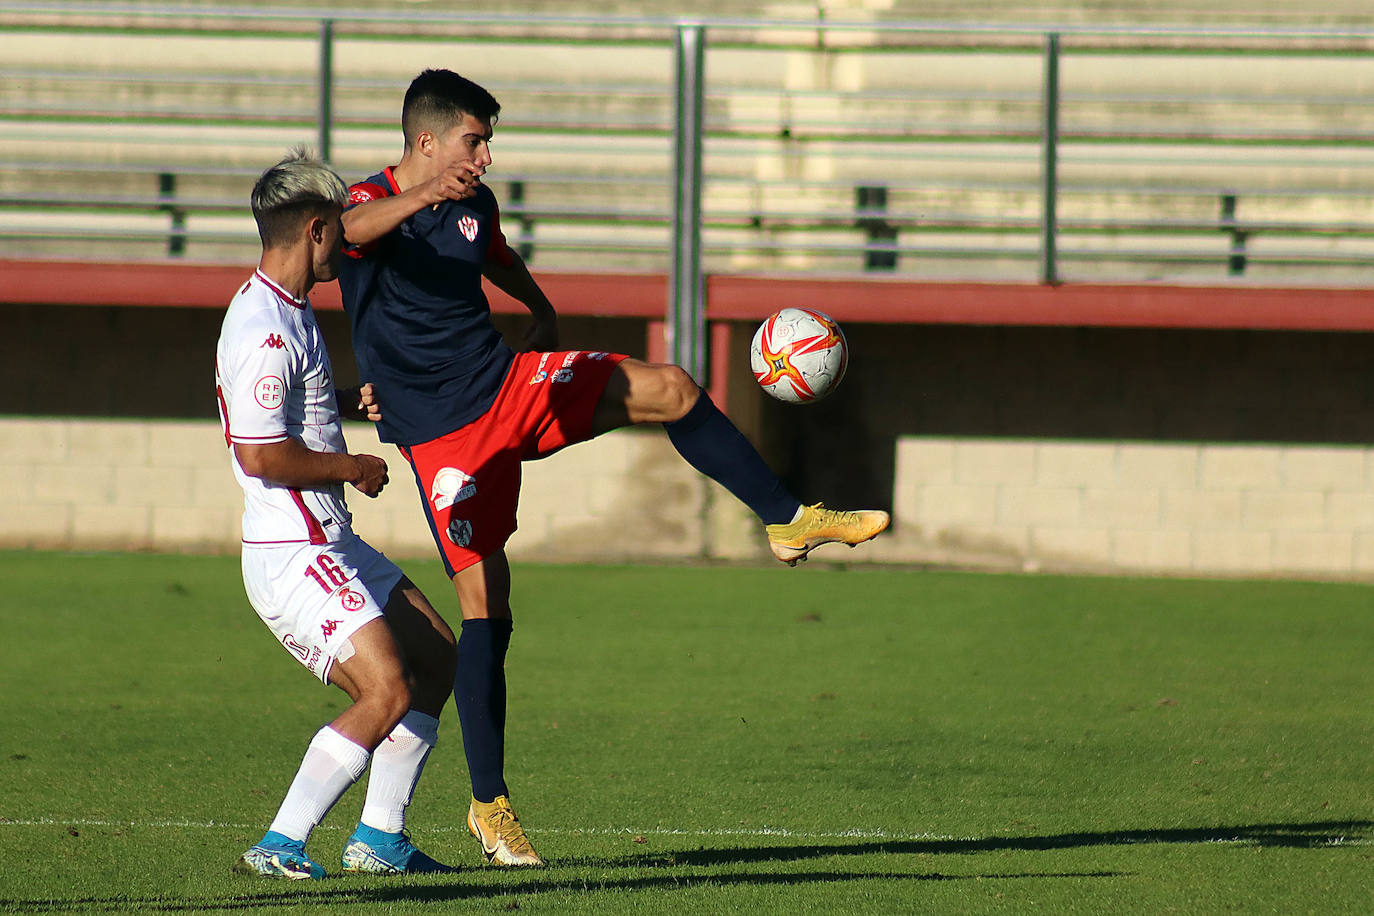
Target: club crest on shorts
[468,226]
[451,486]
[351,600]
[460,532]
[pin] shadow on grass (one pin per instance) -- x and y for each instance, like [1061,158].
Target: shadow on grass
[1296,836]
[454,889]
[417,890]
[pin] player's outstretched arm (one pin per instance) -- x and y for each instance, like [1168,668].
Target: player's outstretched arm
[290,464]
[370,218]
[514,280]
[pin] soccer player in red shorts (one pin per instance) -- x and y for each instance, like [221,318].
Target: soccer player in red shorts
[466,410]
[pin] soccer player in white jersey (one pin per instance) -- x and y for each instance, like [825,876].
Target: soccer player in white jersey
[344,611]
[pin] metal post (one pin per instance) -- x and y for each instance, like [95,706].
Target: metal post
[1049,166]
[325,115]
[686,321]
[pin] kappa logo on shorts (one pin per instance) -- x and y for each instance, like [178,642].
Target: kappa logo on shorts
[460,532]
[451,486]
[329,626]
[351,600]
[468,226]
[269,391]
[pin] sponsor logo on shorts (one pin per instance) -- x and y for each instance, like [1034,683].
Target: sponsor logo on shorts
[468,226]
[451,486]
[563,375]
[294,647]
[269,391]
[541,373]
[351,600]
[314,659]
[329,626]
[460,532]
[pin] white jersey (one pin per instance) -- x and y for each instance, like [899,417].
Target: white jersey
[274,381]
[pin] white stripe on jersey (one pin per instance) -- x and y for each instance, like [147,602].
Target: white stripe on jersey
[274,381]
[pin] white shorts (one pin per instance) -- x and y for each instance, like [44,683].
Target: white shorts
[313,597]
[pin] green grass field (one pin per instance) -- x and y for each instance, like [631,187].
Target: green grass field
[708,740]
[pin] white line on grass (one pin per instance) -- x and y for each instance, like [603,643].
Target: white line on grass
[852,833]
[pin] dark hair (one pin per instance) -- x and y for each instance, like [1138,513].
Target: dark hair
[297,188]
[438,99]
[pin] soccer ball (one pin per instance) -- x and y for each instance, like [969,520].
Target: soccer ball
[798,355]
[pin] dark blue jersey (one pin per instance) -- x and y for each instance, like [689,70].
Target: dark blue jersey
[422,331]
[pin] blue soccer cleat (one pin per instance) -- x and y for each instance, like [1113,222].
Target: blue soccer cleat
[277,856]
[375,852]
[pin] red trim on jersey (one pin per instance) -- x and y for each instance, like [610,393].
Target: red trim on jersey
[281,293]
[312,524]
[390,177]
[223,409]
[497,249]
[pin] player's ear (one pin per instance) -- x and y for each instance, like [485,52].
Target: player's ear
[424,142]
[316,229]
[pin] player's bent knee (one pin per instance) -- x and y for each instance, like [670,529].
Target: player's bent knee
[679,391]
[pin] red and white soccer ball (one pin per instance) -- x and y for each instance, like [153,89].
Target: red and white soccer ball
[798,355]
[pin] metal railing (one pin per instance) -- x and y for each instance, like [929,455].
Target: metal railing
[944,151]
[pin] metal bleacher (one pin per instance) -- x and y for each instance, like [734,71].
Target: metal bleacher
[908,149]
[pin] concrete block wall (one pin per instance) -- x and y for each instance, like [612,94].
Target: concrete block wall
[1194,509]
[1132,507]
[167,486]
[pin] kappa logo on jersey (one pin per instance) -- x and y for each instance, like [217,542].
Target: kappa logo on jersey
[351,600]
[274,341]
[362,193]
[468,226]
[451,486]
[460,532]
[269,391]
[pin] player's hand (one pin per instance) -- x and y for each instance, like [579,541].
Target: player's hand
[369,408]
[371,474]
[542,335]
[457,182]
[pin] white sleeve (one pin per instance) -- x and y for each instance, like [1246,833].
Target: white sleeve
[260,377]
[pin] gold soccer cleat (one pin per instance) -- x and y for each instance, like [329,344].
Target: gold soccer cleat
[818,525]
[498,830]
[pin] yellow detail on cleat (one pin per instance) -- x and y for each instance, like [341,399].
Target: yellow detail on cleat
[498,830]
[818,525]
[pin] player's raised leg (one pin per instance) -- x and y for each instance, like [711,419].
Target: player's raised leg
[479,691]
[640,392]
[380,843]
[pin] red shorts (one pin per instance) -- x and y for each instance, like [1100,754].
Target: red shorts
[470,478]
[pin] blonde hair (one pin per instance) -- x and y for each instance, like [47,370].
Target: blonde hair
[298,187]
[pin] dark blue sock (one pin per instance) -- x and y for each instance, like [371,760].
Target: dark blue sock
[479,691]
[712,445]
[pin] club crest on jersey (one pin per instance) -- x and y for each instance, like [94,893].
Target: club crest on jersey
[269,391]
[451,486]
[468,226]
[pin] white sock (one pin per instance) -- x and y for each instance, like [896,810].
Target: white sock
[331,764]
[396,767]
